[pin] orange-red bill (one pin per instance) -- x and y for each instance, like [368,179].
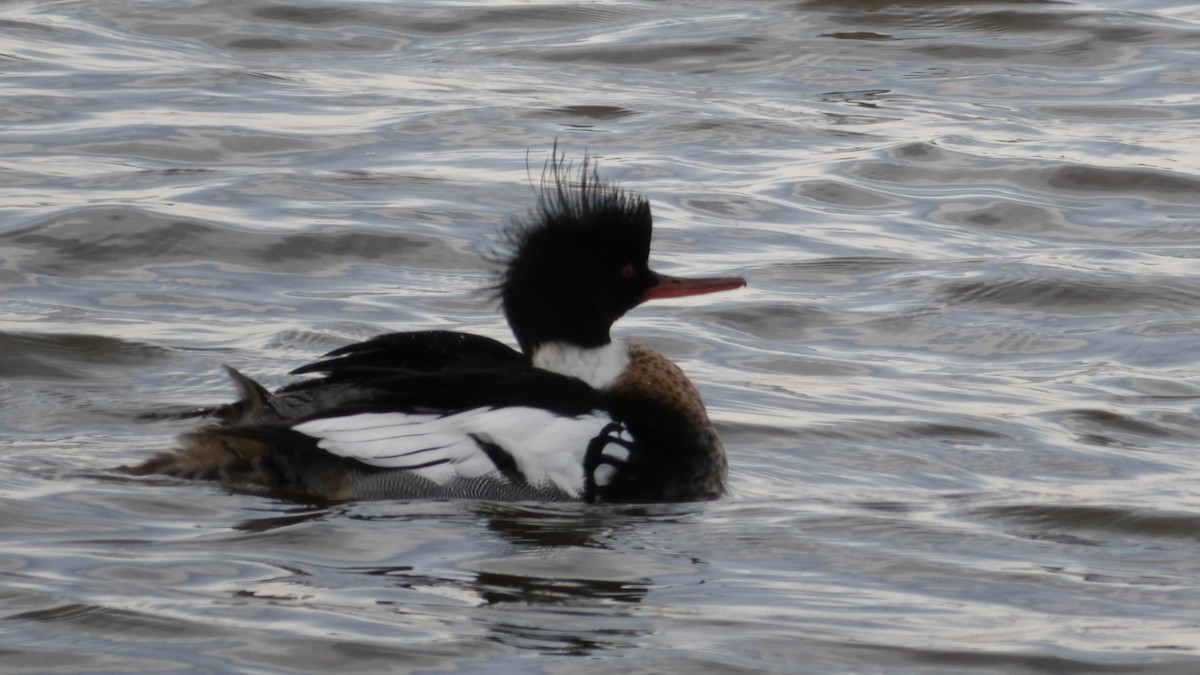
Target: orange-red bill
[678,287]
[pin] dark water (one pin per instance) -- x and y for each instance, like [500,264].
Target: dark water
[959,395]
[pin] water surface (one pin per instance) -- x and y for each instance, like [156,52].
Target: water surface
[958,395]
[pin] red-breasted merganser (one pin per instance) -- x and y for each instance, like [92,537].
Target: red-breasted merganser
[574,415]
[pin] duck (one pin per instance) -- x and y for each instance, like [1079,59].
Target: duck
[572,414]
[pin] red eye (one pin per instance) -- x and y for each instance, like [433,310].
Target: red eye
[627,271]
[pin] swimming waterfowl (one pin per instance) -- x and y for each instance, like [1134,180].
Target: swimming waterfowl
[572,415]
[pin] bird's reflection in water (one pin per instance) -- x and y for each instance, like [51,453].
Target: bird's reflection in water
[550,569]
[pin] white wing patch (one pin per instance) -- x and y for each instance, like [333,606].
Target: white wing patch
[548,449]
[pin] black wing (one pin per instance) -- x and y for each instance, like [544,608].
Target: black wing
[427,371]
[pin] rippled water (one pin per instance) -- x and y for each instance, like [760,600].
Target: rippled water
[959,395]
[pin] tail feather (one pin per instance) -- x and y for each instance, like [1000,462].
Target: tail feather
[250,445]
[255,403]
[264,456]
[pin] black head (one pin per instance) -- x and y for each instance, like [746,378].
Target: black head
[578,261]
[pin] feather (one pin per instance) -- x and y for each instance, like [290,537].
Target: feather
[540,447]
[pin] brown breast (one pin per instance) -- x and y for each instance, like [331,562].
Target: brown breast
[653,376]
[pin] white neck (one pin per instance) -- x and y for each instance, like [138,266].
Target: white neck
[598,366]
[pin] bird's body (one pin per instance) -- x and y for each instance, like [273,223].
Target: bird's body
[574,415]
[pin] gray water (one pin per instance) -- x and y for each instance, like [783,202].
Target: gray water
[959,395]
